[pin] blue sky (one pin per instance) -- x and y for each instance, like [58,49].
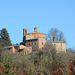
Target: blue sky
[43,14]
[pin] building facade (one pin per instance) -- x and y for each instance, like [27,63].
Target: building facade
[37,40]
[60,46]
[17,49]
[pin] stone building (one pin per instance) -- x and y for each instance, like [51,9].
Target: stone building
[37,40]
[34,41]
[59,45]
[17,49]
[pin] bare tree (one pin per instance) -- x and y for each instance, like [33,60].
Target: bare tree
[59,35]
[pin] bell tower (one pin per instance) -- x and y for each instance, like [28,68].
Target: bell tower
[24,32]
[35,29]
[54,38]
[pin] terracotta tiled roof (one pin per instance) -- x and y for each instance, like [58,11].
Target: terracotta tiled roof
[56,42]
[36,32]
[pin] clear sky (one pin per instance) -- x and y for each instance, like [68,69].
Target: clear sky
[43,14]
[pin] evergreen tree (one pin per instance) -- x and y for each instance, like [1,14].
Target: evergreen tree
[4,38]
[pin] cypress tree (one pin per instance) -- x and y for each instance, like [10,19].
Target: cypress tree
[4,38]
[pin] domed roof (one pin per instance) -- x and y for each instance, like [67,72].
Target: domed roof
[35,31]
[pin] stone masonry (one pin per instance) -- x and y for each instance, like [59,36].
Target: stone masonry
[37,40]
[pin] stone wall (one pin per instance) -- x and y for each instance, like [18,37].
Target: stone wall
[18,49]
[29,36]
[41,42]
[32,43]
[60,47]
[37,40]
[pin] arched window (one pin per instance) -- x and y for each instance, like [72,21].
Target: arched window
[32,44]
[29,44]
[35,43]
[25,32]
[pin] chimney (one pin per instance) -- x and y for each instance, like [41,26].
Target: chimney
[54,38]
[65,41]
[35,29]
[24,32]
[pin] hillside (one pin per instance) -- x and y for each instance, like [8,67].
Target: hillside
[45,62]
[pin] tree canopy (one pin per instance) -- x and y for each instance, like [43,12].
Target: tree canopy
[53,32]
[4,38]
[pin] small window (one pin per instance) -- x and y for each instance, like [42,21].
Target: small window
[25,32]
[29,44]
[32,44]
[35,43]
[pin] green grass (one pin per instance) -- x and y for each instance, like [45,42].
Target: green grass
[27,56]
